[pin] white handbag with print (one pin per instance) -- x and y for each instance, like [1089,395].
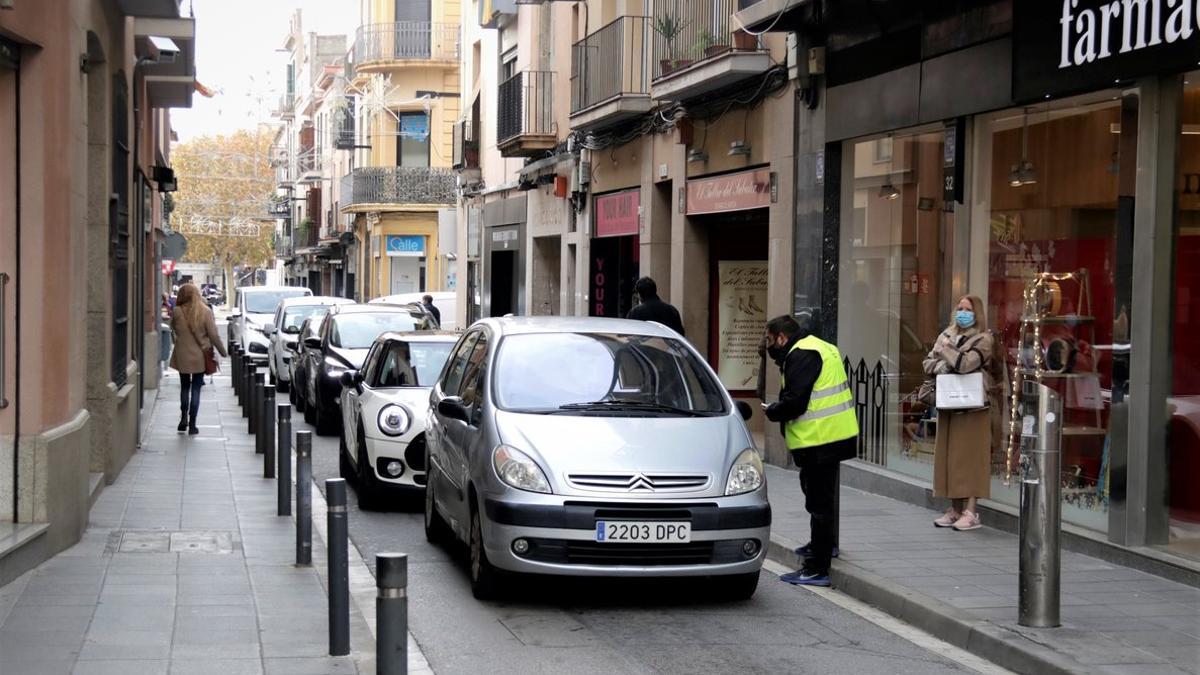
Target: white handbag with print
[960,392]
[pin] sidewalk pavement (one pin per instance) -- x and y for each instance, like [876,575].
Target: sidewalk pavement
[962,588]
[184,568]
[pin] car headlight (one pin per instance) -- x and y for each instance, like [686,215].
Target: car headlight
[746,475]
[394,420]
[517,470]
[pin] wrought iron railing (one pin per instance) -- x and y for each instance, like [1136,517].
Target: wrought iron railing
[687,32]
[404,40]
[869,386]
[342,127]
[283,247]
[526,105]
[398,185]
[611,62]
[287,104]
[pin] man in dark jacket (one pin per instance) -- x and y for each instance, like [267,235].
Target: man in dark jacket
[651,308]
[816,412]
[427,302]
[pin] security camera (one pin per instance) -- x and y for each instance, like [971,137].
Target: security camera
[165,49]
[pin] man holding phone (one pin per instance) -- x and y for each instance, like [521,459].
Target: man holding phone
[816,413]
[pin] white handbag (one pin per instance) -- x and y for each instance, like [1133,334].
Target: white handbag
[960,392]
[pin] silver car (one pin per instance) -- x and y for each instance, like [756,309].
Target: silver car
[592,447]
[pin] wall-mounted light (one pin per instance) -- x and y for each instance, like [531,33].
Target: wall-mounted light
[739,148]
[888,191]
[697,155]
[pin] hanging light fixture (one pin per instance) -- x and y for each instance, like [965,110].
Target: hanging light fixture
[888,191]
[1023,172]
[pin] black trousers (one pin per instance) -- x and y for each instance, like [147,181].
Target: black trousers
[819,482]
[189,394]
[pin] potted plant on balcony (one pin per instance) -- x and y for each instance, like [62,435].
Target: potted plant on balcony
[669,27]
[709,45]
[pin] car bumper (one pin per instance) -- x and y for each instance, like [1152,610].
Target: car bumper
[561,533]
[412,455]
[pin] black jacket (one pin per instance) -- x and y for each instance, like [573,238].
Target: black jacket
[437,313]
[800,369]
[654,309]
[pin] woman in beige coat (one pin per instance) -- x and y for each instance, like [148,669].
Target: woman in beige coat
[963,452]
[195,332]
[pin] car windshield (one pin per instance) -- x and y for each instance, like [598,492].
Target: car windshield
[265,302]
[293,317]
[358,331]
[592,372]
[414,364]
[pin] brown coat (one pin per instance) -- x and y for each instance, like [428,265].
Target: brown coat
[188,355]
[963,452]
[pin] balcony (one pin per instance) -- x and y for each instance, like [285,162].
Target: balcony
[373,186]
[385,46]
[696,51]
[525,124]
[466,145]
[773,15]
[309,167]
[610,74]
[283,247]
[286,108]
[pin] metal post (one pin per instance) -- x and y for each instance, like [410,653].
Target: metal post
[266,430]
[339,568]
[234,370]
[391,614]
[1041,506]
[255,406]
[284,459]
[303,497]
[247,385]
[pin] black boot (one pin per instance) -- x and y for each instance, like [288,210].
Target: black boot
[183,422]
[192,430]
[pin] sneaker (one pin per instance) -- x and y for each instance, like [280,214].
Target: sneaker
[805,551]
[806,577]
[969,521]
[948,519]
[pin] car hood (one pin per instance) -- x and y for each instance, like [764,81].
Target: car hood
[260,319]
[622,447]
[352,357]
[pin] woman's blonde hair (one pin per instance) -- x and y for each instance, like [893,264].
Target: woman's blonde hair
[191,307]
[977,306]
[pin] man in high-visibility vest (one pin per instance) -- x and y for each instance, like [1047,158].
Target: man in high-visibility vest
[816,412]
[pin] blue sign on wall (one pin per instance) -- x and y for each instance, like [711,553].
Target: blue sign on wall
[405,244]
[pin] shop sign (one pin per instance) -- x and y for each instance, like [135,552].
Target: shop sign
[1080,45]
[168,266]
[732,192]
[405,245]
[741,321]
[506,238]
[616,215]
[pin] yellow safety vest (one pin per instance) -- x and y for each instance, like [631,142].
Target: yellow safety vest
[830,416]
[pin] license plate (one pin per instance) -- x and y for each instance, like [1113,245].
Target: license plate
[647,532]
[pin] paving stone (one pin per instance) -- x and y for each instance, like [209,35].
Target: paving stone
[122,667]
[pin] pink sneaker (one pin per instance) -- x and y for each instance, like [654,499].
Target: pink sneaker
[948,518]
[969,521]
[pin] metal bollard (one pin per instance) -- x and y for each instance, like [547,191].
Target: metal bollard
[266,430]
[247,384]
[339,568]
[256,405]
[1041,507]
[303,497]
[391,614]
[284,459]
[235,372]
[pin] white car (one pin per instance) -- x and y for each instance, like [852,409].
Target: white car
[384,407]
[284,331]
[255,308]
[445,301]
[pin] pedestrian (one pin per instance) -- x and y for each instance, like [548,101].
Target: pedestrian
[816,414]
[427,303]
[195,333]
[651,308]
[963,446]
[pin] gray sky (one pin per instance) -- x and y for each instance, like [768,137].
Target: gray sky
[235,57]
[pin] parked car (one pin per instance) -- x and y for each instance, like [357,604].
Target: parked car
[592,447]
[445,301]
[311,327]
[347,333]
[384,407]
[212,294]
[255,308]
[283,331]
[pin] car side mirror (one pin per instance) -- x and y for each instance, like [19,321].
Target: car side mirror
[452,407]
[269,329]
[312,342]
[744,409]
[236,312]
[291,330]
[350,379]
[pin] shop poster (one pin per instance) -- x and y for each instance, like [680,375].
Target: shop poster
[741,321]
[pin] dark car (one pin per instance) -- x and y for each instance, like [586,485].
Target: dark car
[296,361]
[345,337]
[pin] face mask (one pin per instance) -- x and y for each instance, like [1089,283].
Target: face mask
[776,352]
[965,318]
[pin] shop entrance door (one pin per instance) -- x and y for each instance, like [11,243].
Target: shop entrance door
[405,275]
[503,271]
[10,277]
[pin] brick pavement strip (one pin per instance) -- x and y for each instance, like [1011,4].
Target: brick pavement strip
[184,568]
[962,588]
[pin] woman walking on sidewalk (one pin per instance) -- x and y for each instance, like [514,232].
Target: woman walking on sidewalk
[963,451]
[195,332]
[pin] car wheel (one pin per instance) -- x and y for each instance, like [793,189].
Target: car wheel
[345,470]
[282,385]
[436,529]
[310,415]
[326,421]
[738,586]
[485,579]
[368,490]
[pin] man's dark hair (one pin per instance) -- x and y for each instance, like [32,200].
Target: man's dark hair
[427,299]
[784,325]
[646,288]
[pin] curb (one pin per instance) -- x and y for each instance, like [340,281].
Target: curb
[1000,645]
